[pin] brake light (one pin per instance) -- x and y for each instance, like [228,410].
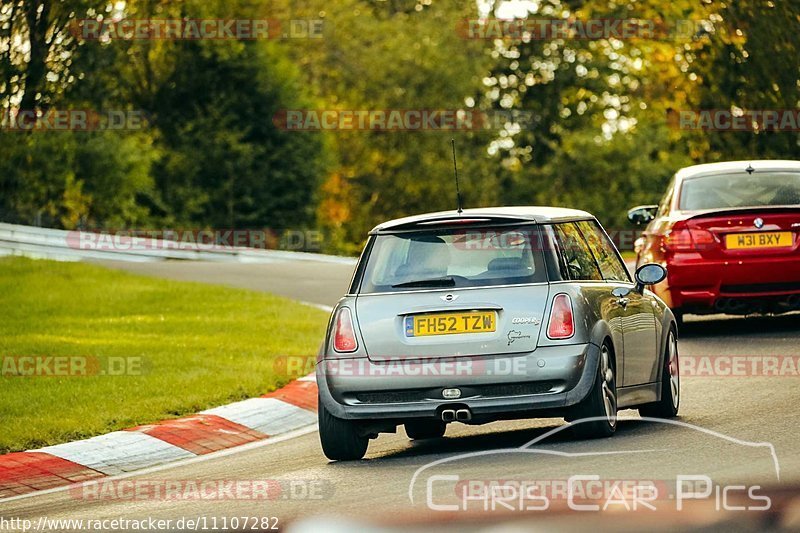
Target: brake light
[344,336]
[689,240]
[562,321]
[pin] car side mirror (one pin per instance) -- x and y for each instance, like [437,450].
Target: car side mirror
[642,214]
[649,274]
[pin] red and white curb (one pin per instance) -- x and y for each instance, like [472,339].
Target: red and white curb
[288,409]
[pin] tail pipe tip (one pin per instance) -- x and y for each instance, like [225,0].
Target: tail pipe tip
[448,415]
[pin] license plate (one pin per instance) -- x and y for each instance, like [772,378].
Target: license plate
[450,323]
[767,239]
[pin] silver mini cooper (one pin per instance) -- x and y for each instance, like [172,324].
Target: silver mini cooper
[489,314]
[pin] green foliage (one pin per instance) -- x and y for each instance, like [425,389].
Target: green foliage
[603,141]
[394,56]
[600,176]
[210,155]
[222,140]
[750,60]
[66,179]
[598,137]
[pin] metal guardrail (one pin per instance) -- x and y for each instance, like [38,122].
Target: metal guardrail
[60,245]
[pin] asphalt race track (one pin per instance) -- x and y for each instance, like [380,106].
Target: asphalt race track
[755,409]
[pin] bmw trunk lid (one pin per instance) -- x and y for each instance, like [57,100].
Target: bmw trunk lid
[754,232]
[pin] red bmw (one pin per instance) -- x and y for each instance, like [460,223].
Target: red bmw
[728,235]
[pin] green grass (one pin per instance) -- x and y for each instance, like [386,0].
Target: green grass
[199,346]
[628,255]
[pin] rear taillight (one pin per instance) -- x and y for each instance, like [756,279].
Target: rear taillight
[688,240]
[344,337]
[562,321]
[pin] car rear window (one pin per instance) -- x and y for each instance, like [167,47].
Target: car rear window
[727,191]
[454,258]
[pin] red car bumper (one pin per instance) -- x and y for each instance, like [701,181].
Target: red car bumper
[698,285]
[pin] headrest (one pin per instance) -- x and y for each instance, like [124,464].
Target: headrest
[507,263]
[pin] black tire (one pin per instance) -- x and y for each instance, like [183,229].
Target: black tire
[678,317]
[425,429]
[670,402]
[601,402]
[340,439]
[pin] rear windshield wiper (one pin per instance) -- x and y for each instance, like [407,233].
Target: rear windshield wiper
[433,282]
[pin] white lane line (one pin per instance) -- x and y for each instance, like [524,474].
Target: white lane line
[118,452]
[326,308]
[177,464]
[267,415]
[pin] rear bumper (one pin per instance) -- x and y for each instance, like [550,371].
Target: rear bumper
[696,284]
[547,378]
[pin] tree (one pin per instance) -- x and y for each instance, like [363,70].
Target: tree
[210,154]
[393,56]
[36,47]
[215,112]
[601,106]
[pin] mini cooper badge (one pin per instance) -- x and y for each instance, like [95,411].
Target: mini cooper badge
[449,297]
[526,320]
[759,223]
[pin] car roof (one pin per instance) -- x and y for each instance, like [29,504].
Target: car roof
[728,167]
[537,214]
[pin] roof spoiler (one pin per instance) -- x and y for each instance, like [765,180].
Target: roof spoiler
[734,211]
[452,221]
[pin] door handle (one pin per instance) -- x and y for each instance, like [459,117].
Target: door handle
[623,302]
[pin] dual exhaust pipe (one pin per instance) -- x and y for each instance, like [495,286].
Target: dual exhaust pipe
[736,306]
[456,415]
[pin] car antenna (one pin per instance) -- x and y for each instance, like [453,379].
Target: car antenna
[455,170]
[750,169]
